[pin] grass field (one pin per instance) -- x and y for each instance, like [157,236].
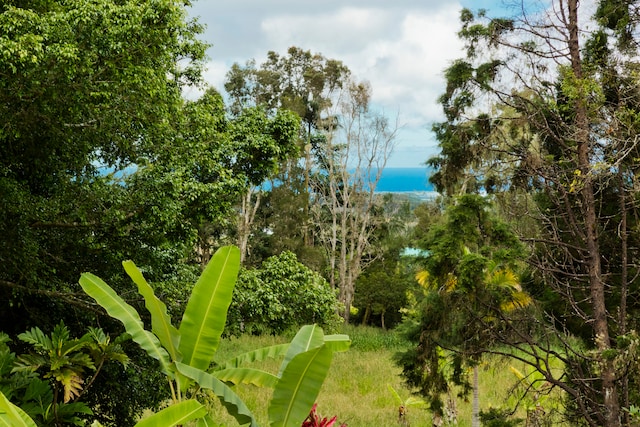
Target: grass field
[356,389]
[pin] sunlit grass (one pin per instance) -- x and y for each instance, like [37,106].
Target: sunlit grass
[356,388]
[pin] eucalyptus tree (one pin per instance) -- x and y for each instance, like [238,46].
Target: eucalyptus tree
[301,82]
[354,151]
[551,107]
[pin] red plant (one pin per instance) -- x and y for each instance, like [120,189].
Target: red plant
[315,420]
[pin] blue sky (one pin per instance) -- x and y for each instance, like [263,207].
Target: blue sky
[401,47]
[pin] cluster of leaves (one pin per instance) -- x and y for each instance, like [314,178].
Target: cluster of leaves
[84,85]
[281,295]
[101,159]
[48,382]
[381,292]
[555,141]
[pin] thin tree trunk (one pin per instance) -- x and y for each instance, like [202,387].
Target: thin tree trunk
[624,286]
[245,222]
[596,284]
[367,314]
[475,415]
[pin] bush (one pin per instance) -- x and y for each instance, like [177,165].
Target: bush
[281,295]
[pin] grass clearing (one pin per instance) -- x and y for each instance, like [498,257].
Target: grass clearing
[356,388]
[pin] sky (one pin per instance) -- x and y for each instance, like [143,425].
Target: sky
[400,46]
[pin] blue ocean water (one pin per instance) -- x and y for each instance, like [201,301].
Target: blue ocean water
[398,180]
[393,180]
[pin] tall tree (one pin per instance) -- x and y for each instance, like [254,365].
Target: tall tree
[102,160]
[354,151]
[473,296]
[83,85]
[301,82]
[562,128]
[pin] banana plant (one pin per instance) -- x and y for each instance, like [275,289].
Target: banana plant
[12,416]
[404,405]
[185,353]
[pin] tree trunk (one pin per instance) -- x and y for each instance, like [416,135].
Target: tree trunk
[245,221]
[367,314]
[624,287]
[475,415]
[596,284]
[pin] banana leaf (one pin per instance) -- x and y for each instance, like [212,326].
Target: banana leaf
[176,414]
[308,337]
[13,416]
[298,387]
[395,395]
[206,312]
[117,308]
[270,352]
[255,377]
[338,342]
[233,404]
[160,321]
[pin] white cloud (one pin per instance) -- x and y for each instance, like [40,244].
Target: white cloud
[400,47]
[340,31]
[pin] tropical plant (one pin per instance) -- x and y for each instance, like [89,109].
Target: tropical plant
[13,416]
[47,382]
[470,287]
[543,112]
[315,420]
[404,405]
[185,354]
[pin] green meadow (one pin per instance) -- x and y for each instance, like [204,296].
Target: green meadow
[357,386]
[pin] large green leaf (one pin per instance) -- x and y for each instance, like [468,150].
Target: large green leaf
[338,342]
[176,414]
[206,312]
[395,395]
[13,416]
[234,405]
[308,337]
[247,376]
[270,352]
[160,321]
[298,387]
[207,421]
[117,308]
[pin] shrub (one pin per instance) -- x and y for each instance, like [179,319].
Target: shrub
[279,296]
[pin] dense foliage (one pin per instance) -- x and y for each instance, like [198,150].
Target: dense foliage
[101,159]
[541,114]
[185,353]
[281,295]
[330,191]
[472,301]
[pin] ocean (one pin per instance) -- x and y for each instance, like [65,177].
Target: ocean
[393,180]
[401,180]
